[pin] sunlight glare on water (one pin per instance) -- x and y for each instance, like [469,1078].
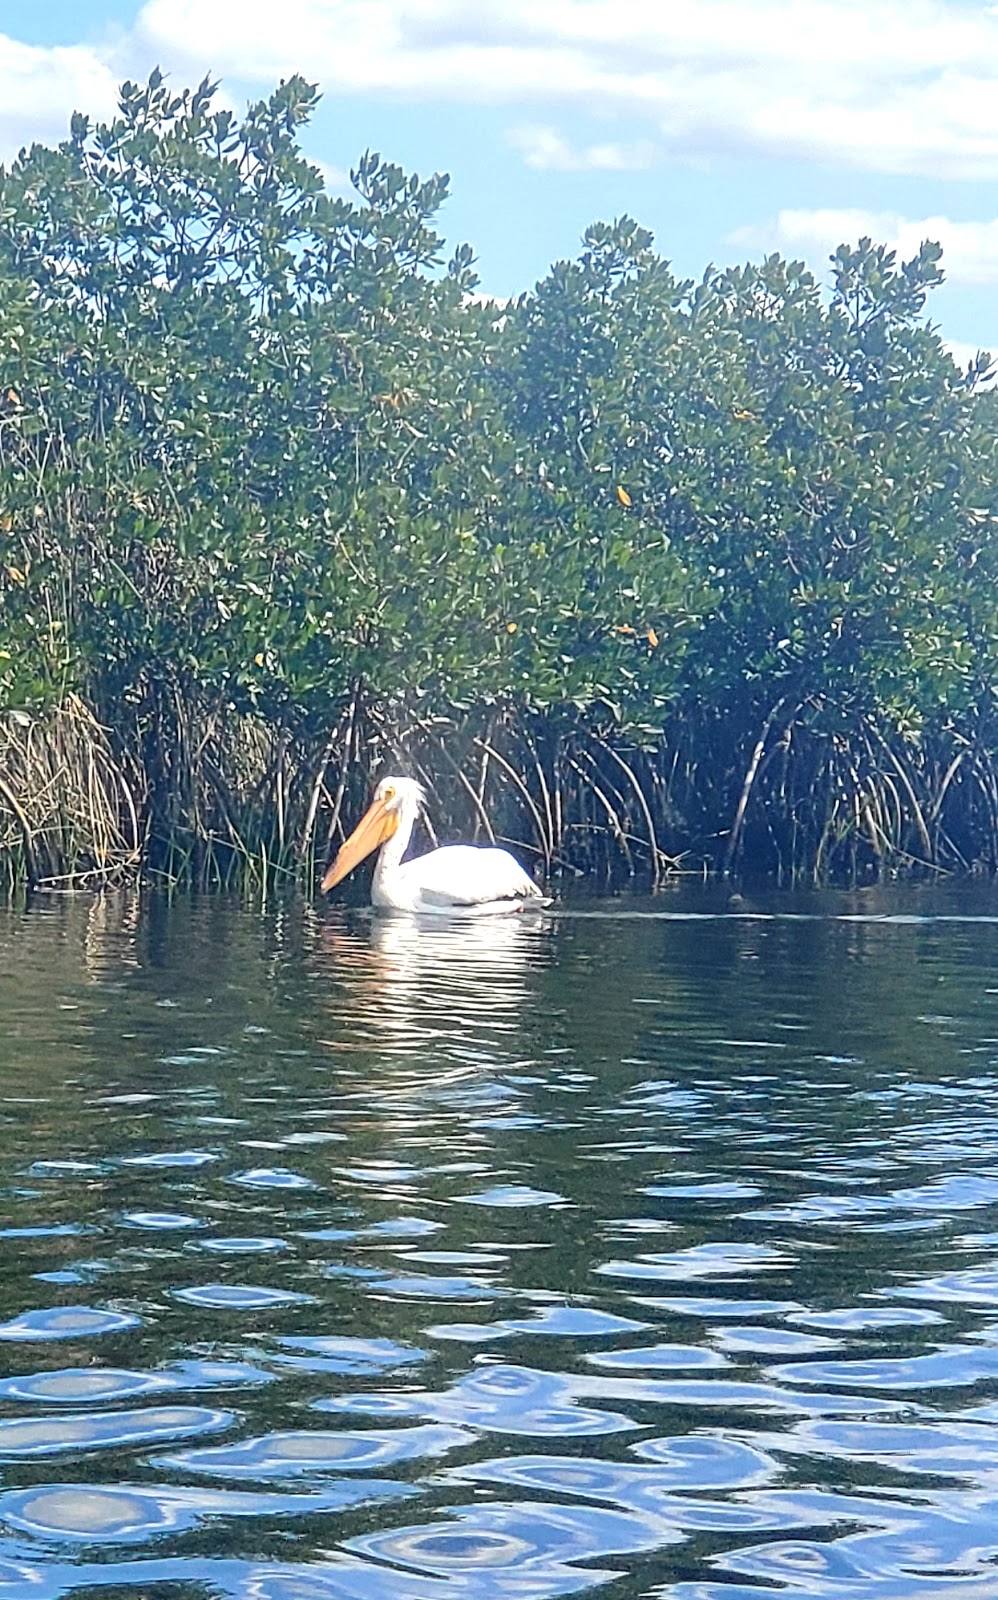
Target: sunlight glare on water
[651,1244]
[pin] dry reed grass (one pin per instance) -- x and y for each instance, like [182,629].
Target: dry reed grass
[200,795]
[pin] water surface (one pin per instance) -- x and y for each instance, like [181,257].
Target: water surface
[649,1246]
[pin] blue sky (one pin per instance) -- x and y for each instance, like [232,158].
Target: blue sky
[729,127]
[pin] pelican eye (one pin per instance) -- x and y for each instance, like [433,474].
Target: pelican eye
[388,792]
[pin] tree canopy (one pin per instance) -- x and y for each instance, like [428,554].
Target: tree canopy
[265,453]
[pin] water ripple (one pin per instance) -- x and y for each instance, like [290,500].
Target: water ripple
[102,1514]
[241,1296]
[507,1196]
[680,1465]
[951,1367]
[719,1260]
[333,1354]
[70,1385]
[316,1451]
[93,1430]
[531,1539]
[67,1322]
[640,1248]
[553,1322]
[674,1357]
[499,1399]
[272,1178]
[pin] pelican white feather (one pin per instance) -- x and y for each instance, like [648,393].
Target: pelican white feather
[464,879]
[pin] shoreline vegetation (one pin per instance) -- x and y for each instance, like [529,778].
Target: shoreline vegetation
[647,576]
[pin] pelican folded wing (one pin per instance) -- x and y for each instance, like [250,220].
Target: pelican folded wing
[465,876]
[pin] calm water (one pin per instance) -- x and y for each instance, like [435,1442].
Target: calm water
[358,1260]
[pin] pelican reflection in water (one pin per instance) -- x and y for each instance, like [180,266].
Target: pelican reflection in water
[462,879]
[443,991]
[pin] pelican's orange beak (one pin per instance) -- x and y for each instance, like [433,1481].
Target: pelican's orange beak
[376,825]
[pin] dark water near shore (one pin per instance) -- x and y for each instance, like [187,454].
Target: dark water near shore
[357,1260]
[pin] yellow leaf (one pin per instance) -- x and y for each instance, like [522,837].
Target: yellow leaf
[258,658]
[15,574]
[623,496]
[13,397]
[511,627]
[625,627]
[652,638]
[6,522]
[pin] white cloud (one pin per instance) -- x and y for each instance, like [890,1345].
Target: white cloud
[39,89]
[545,149]
[897,86]
[963,354]
[336,179]
[903,86]
[970,249]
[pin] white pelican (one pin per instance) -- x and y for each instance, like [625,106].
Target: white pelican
[464,879]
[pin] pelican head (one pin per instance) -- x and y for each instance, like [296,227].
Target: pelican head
[404,796]
[396,803]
